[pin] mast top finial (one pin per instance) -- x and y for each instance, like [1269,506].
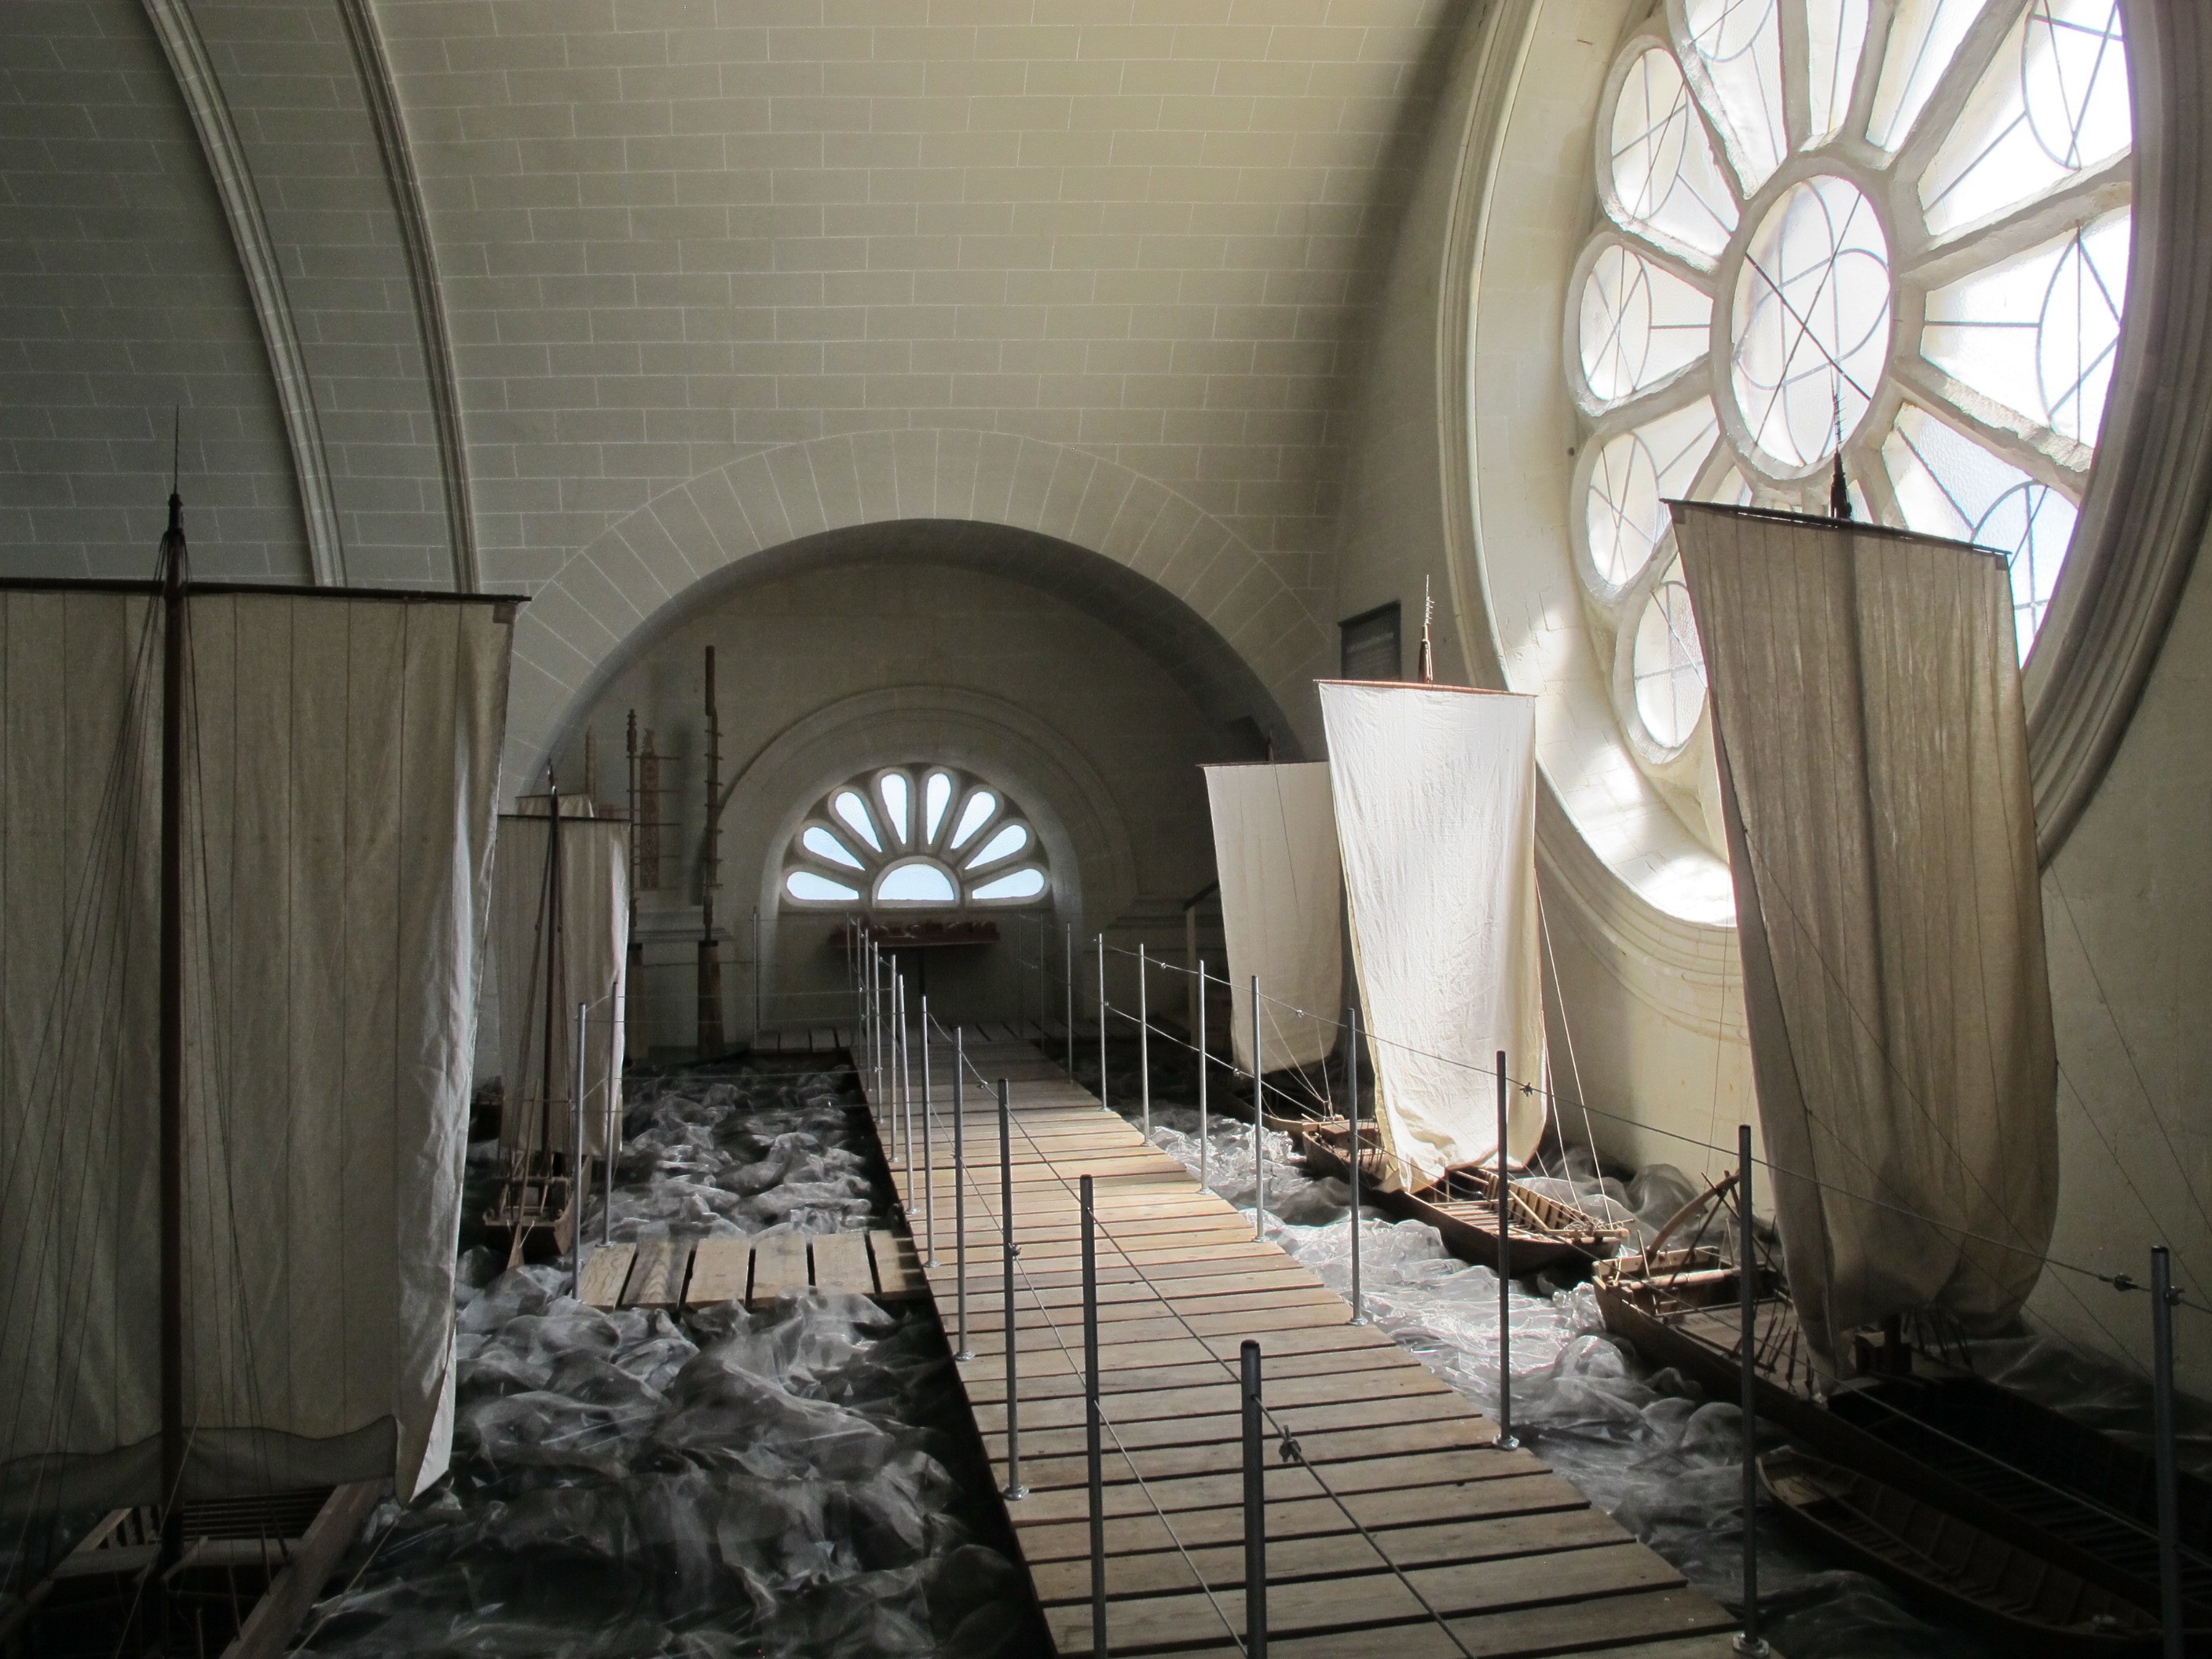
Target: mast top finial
[1428,648]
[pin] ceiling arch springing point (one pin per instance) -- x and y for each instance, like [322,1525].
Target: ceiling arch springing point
[924,838]
[1951,330]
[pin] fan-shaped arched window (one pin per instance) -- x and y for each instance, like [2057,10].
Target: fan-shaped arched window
[916,838]
[1897,231]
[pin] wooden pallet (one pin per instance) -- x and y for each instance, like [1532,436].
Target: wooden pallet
[1506,1553]
[678,1274]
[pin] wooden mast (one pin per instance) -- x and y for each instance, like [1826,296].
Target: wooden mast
[174,647]
[710,878]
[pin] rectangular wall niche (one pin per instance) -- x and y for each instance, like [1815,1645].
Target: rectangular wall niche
[1370,639]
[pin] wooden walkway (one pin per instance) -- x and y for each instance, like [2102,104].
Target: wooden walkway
[1507,1555]
[664,1273]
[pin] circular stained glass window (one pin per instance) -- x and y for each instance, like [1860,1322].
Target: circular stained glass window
[1900,233]
[914,838]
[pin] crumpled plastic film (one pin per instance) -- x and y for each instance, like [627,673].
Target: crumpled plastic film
[626,1483]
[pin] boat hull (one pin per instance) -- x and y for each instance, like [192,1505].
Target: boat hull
[1468,1228]
[2011,1596]
[1662,1341]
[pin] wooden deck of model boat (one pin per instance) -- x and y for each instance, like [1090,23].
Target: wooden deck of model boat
[1546,1233]
[2010,1595]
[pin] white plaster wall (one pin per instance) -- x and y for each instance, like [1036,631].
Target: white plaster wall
[2127,910]
[674,232]
[1645,1014]
[937,663]
[123,301]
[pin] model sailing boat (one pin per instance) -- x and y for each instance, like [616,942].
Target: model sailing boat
[561,934]
[246,837]
[1434,789]
[1873,755]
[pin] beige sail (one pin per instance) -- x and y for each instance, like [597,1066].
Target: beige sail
[1282,895]
[1435,790]
[343,753]
[589,965]
[1874,766]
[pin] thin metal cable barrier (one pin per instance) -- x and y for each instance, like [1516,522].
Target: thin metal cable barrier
[1280,1431]
[1555,1102]
[2118,1281]
[1106,1421]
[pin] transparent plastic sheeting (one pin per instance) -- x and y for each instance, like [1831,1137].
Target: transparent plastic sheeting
[626,1483]
[1644,1446]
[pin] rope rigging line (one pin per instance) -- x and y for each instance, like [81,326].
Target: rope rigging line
[1552,1098]
[2116,1281]
[1282,1435]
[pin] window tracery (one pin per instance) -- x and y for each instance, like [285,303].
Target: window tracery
[1904,236]
[916,837]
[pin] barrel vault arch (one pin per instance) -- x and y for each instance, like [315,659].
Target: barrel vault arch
[610,595]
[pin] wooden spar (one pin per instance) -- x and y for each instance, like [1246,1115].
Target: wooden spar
[175,620]
[710,878]
[645,827]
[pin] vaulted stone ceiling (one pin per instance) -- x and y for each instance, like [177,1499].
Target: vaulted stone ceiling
[518,267]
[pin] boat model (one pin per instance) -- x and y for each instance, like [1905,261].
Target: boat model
[246,836]
[561,912]
[1423,820]
[1872,752]
[2008,1594]
[1549,1234]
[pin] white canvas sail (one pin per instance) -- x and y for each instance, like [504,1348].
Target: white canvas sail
[1867,704]
[341,753]
[1435,788]
[1282,892]
[589,965]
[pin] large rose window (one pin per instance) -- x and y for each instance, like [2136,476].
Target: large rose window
[1899,232]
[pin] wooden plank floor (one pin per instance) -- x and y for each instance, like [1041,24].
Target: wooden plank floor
[1465,1548]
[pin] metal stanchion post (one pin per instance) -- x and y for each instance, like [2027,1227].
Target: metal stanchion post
[1748,1640]
[2162,1297]
[1255,1511]
[1506,1439]
[613,1141]
[961,1351]
[1145,1039]
[1102,1020]
[1203,1140]
[578,1181]
[896,1028]
[928,1148]
[1259,1124]
[1351,1161]
[1094,1419]
[1014,1490]
[1067,988]
[905,1079]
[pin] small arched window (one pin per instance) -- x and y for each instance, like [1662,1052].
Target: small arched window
[914,838]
